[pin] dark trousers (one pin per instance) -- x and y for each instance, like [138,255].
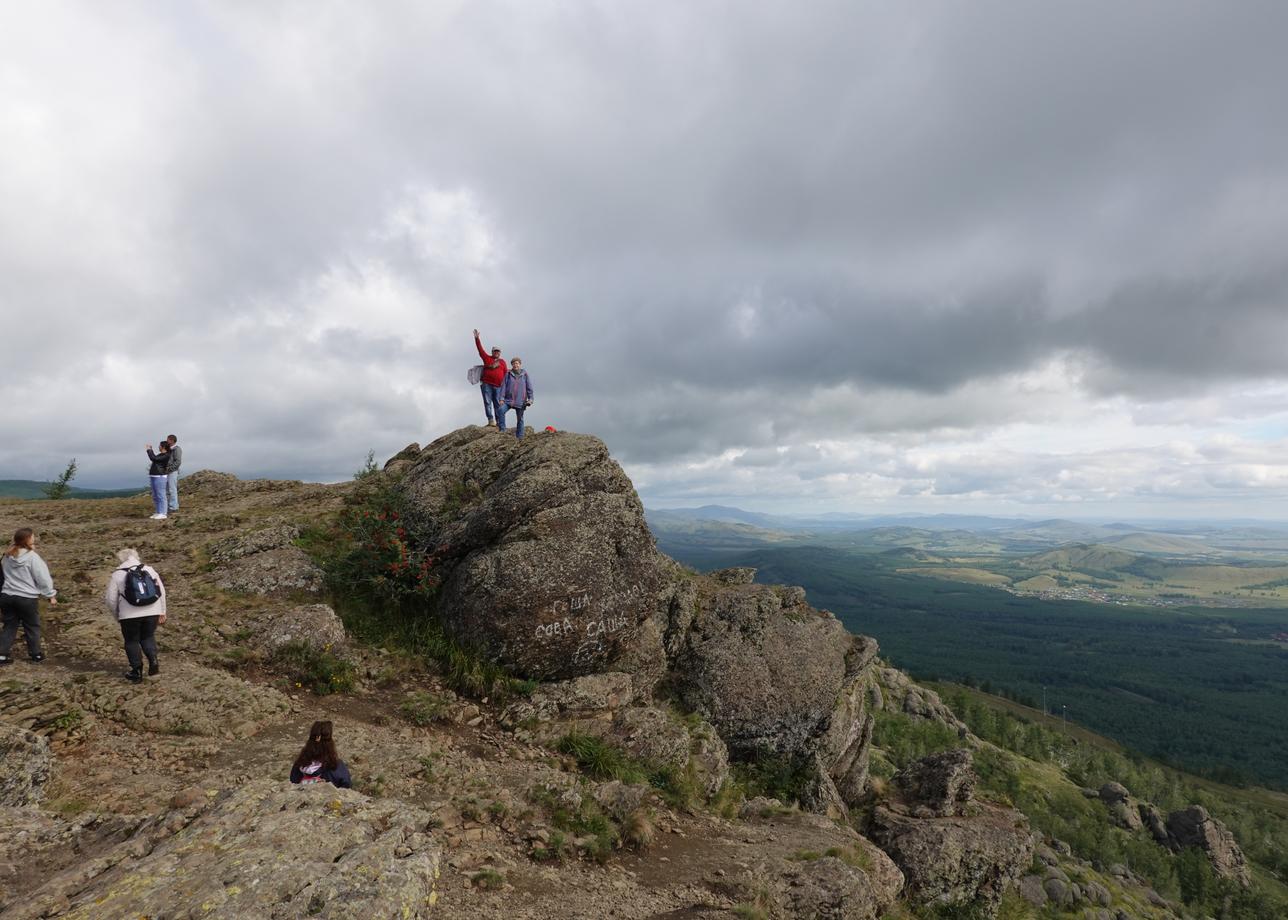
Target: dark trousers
[24,611]
[140,635]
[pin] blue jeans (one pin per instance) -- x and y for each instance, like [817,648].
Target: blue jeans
[158,493]
[492,402]
[172,490]
[518,419]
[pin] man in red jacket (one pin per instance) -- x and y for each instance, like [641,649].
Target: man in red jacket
[493,380]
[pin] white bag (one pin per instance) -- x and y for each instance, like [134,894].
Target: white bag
[475,374]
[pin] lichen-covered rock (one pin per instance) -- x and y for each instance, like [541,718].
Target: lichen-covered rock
[653,736]
[547,564]
[968,857]
[247,543]
[900,694]
[24,766]
[594,694]
[939,785]
[1194,827]
[186,699]
[1031,890]
[313,624]
[767,681]
[402,461]
[957,860]
[814,867]
[268,850]
[285,570]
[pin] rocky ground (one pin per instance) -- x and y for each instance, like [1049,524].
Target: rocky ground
[170,800]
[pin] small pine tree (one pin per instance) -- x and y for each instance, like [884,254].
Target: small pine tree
[369,468]
[61,487]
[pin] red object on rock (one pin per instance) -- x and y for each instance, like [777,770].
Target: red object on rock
[550,428]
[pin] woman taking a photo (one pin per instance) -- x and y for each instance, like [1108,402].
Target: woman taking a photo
[26,580]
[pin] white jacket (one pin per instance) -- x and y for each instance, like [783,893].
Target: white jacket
[115,596]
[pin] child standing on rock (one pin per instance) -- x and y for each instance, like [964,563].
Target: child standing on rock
[26,580]
[136,597]
[318,761]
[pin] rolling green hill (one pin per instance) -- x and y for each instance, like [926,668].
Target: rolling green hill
[30,488]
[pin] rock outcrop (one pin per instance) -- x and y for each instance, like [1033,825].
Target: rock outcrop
[952,849]
[24,766]
[547,565]
[1123,809]
[1194,827]
[265,850]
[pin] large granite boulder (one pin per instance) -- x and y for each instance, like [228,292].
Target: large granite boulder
[268,849]
[765,677]
[1194,827]
[547,564]
[25,762]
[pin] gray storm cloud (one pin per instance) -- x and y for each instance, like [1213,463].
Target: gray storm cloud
[712,230]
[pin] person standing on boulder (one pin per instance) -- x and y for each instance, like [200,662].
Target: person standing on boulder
[516,394]
[172,475]
[26,580]
[491,382]
[136,597]
[158,478]
[318,761]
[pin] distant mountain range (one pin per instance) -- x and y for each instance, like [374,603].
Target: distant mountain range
[30,488]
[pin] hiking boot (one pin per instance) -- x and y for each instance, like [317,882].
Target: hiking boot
[6,659]
[39,656]
[134,675]
[491,423]
[154,668]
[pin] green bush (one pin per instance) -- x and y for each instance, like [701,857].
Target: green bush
[314,668]
[423,708]
[385,588]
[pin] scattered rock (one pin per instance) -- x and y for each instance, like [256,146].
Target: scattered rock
[247,543]
[1123,810]
[313,624]
[186,699]
[266,849]
[25,763]
[276,571]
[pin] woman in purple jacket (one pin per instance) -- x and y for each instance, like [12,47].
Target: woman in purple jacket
[516,394]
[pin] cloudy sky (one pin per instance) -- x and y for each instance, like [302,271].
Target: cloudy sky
[995,256]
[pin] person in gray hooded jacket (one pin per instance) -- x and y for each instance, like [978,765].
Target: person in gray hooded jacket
[26,580]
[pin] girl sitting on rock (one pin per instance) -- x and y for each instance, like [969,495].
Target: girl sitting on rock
[318,761]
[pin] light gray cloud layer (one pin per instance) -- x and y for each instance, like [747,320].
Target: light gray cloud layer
[832,252]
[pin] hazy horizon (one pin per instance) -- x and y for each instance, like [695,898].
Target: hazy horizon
[1002,258]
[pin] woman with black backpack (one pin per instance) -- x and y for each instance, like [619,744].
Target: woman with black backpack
[136,597]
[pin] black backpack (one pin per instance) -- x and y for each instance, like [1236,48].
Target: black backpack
[141,589]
